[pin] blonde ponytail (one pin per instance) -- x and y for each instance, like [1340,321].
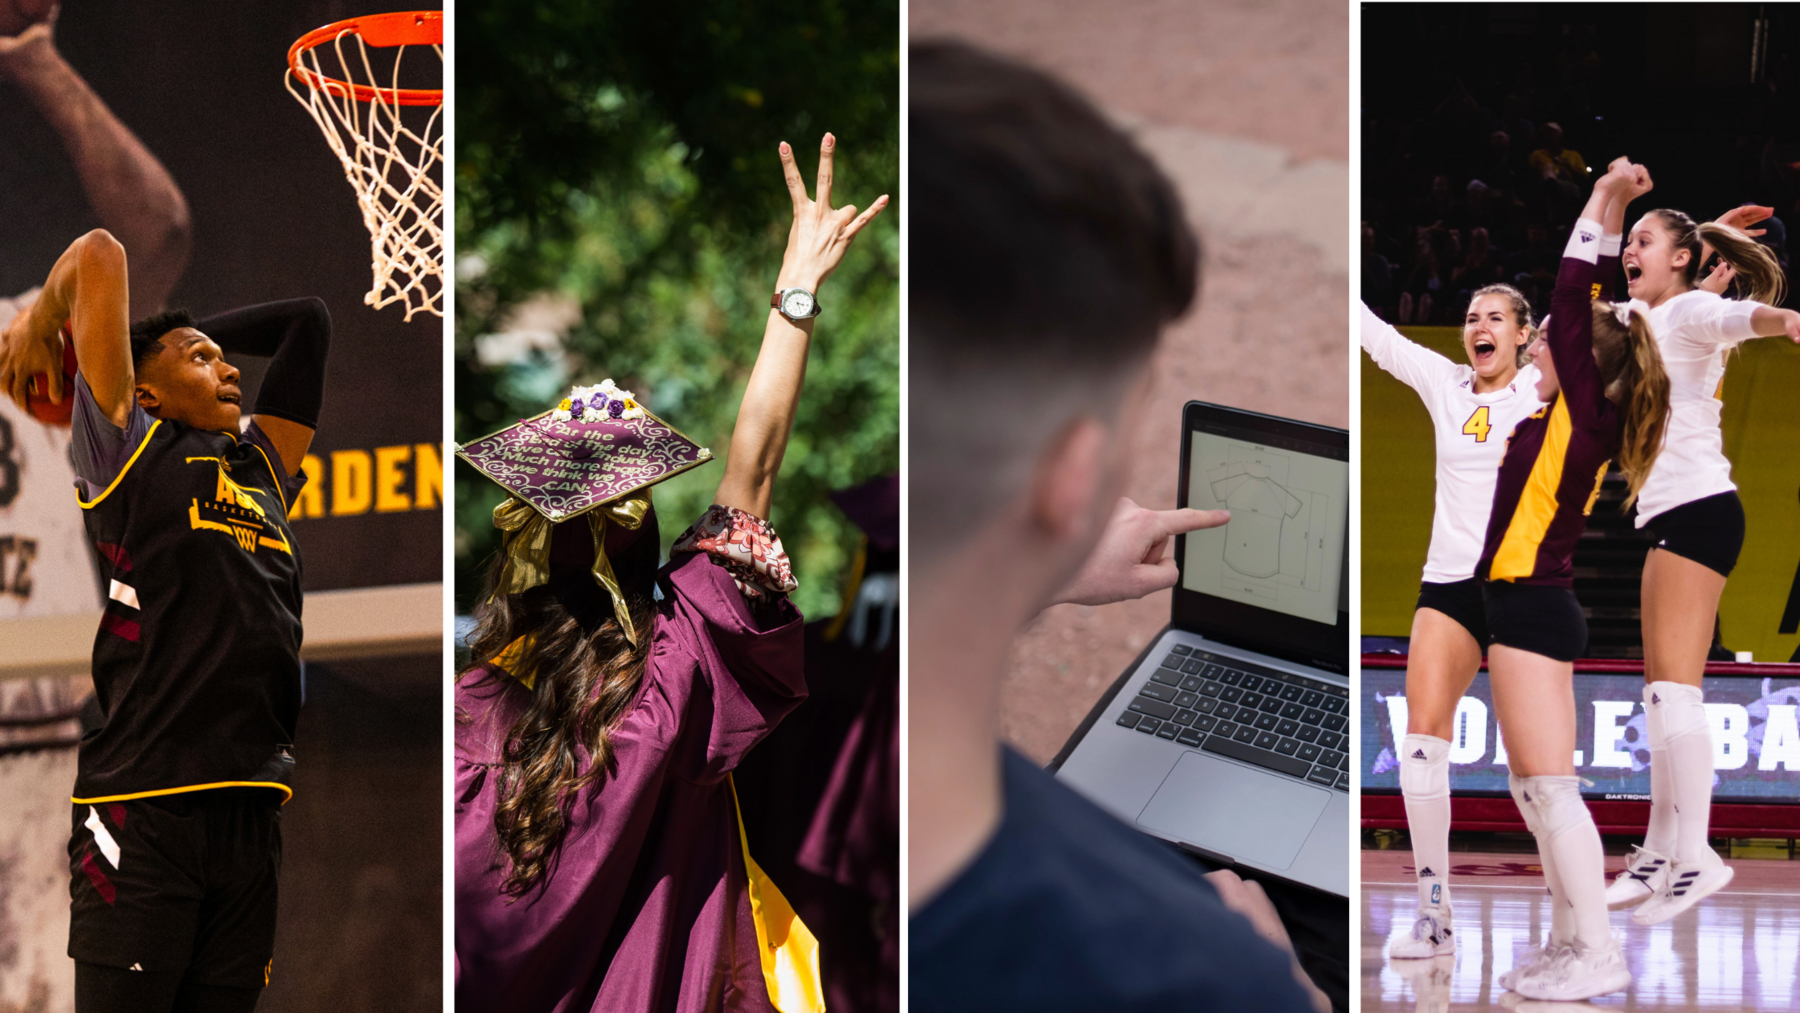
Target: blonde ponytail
[1756,265]
[1631,369]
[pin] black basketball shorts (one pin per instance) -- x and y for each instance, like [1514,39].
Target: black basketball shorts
[178,883]
[1536,618]
[1708,531]
[1461,601]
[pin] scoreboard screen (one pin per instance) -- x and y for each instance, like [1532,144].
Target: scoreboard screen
[1755,735]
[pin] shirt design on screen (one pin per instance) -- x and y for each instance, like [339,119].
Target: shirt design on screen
[1259,507]
[1271,533]
[1283,548]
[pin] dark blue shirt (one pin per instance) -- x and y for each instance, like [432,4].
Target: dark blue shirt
[1067,908]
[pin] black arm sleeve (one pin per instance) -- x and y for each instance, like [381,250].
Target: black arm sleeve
[296,334]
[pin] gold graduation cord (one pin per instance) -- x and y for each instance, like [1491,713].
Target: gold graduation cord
[525,538]
[790,953]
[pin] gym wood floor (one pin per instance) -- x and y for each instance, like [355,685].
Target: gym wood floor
[1737,950]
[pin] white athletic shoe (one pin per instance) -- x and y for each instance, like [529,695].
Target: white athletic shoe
[1576,972]
[1683,887]
[1431,937]
[1527,960]
[1645,872]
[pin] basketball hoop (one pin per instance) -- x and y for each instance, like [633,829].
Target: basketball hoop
[388,163]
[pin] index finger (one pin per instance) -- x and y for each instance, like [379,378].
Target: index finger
[827,145]
[791,172]
[1180,522]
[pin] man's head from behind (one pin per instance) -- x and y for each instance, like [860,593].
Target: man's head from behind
[181,376]
[1048,254]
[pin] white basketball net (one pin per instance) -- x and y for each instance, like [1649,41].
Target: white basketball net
[390,166]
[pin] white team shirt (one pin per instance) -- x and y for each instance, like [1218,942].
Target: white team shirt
[44,564]
[1694,332]
[1471,438]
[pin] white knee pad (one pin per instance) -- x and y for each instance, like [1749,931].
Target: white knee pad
[1681,709]
[1425,767]
[1526,809]
[1556,802]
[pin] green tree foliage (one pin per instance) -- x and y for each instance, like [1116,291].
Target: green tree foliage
[622,155]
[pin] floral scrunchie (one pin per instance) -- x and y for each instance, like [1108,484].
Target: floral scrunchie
[746,545]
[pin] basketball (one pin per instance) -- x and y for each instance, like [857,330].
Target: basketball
[18,15]
[37,399]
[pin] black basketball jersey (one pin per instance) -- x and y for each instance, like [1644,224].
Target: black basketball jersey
[197,660]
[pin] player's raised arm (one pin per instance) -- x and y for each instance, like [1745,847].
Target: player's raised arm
[295,334]
[89,290]
[817,241]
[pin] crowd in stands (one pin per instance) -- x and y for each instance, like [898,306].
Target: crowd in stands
[1481,184]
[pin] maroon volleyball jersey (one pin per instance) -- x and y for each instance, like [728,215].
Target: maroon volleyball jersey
[1555,458]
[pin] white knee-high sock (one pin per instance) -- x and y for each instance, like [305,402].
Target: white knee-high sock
[1690,753]
[1562,916]
[1425,784]
[1571,843]
[1659,836]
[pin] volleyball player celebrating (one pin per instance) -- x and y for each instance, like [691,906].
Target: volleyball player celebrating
[1472,408]
[1690,504]
[1607,395]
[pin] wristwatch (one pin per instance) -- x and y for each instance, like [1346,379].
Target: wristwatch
[795,303]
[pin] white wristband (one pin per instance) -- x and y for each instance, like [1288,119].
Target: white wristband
[1584,241]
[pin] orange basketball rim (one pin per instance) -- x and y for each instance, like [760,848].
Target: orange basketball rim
[390,158]
[384,31]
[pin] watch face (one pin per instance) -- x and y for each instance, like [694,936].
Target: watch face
[797,303]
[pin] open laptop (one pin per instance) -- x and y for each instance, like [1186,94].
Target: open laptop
[1229,735]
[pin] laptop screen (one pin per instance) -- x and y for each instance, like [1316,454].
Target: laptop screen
[1275,578]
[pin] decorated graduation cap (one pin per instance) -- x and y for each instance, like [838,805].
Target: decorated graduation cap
[593,456]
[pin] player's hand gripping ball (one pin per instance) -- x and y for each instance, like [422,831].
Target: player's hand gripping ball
[37,397]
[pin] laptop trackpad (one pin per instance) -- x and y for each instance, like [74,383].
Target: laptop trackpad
[1236,811]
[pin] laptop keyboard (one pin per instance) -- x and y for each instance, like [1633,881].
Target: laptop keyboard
[1277,720]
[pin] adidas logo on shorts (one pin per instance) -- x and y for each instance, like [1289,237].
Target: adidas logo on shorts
[1418,754]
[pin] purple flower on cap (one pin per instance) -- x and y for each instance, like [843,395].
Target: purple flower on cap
[576,407]
[615,408]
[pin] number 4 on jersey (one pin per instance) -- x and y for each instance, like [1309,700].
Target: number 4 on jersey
[1478,425]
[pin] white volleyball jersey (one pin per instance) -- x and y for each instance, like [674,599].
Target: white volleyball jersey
[1471,438]
[44,564]
[1695,331]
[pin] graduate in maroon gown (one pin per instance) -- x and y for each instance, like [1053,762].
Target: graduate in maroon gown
[599,860]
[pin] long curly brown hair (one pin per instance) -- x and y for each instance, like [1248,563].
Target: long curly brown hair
[586,677]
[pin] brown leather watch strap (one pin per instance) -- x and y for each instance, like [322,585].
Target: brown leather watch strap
[775,301]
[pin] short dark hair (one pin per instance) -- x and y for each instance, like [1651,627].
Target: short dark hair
[1041,228]
[1048,254]
[147,334]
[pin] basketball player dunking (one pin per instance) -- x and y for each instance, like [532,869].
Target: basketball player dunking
[176,846]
